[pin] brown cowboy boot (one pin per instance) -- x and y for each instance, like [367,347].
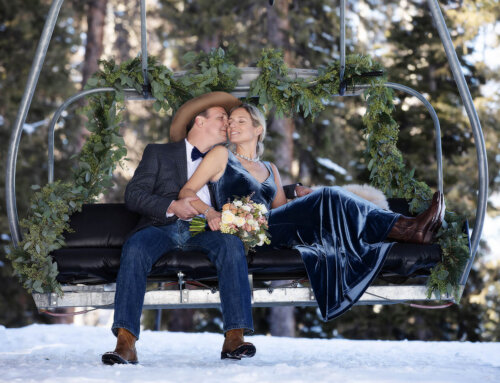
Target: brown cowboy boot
[423,227]
[235,347]
[125,351]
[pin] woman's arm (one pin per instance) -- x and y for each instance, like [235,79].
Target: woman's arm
[279,198]
[211,169]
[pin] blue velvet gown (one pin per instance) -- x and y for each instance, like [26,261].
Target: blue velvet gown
[339,235]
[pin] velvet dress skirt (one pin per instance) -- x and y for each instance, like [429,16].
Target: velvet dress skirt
[340,238]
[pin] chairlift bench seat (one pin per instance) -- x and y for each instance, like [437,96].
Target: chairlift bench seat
[89,263]
[92,253]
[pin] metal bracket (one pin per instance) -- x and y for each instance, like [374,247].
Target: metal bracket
[183,295]
[250,282]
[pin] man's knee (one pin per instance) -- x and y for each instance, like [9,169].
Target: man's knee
[228,248]
[131,247]
[133,253]
[232,243]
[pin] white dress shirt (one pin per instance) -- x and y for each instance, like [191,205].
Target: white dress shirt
[203,194]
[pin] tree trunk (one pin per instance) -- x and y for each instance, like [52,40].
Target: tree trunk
[123,24]
[96,16]
[281,319]
[207,43]
[284,127]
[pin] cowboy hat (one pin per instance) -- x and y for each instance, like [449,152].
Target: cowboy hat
[192,108]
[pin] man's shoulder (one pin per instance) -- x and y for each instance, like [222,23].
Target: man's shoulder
[168,148]
[156,146]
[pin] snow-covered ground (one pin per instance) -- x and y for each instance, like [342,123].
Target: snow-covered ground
[71,354]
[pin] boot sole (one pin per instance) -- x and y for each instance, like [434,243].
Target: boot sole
[435,225]
[243,351]
[111,358]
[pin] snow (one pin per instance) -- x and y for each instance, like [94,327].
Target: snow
[329,164]
[71,354]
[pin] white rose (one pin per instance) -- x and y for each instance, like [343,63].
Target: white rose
[246,208]
[262,238]
[252,223]
[237,203]
[262,208]
[239,221]
[227,217]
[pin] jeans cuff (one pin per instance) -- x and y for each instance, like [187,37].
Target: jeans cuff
[248,330]
[117,325]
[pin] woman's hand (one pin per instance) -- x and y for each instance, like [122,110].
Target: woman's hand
[214,219]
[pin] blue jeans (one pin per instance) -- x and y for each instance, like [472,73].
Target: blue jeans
[144,248]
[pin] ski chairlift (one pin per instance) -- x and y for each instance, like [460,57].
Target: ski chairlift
[89,262]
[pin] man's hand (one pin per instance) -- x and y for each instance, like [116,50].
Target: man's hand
[183,209]
[302,190]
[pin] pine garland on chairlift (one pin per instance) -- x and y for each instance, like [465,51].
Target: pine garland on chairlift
[53,204]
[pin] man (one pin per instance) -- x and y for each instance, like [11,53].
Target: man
[197,126]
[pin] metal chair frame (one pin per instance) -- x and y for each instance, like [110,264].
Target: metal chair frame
[102,296]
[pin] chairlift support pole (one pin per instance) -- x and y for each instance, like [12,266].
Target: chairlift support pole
[342,47]
[144,49]
[17,130]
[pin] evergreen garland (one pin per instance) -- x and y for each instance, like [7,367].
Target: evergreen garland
[52,205]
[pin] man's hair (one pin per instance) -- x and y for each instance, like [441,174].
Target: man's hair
[191,123]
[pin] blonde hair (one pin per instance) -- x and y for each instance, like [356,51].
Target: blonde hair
[258,119]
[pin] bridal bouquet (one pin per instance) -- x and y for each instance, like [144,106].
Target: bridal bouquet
[243,218]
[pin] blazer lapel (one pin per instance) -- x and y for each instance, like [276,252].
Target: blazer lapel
[181,161]
[180,157]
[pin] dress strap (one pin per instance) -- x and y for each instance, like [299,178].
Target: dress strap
[269,167]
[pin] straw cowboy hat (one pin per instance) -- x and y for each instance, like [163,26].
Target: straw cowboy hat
[192,108]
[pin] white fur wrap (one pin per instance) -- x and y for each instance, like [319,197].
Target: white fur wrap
[369,193]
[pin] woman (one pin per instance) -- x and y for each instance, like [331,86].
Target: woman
[339,235]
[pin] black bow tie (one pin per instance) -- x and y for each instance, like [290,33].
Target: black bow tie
[195,154]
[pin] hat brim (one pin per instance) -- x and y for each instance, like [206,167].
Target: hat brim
[192,108]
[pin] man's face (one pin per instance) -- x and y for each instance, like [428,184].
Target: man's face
[215,124]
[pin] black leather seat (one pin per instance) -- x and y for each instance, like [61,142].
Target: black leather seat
[92,252]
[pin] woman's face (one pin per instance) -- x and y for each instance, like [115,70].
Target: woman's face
[241,128]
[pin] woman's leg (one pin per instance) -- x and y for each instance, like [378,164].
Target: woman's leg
[333,211]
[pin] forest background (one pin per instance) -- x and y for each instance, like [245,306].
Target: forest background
[328,151]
